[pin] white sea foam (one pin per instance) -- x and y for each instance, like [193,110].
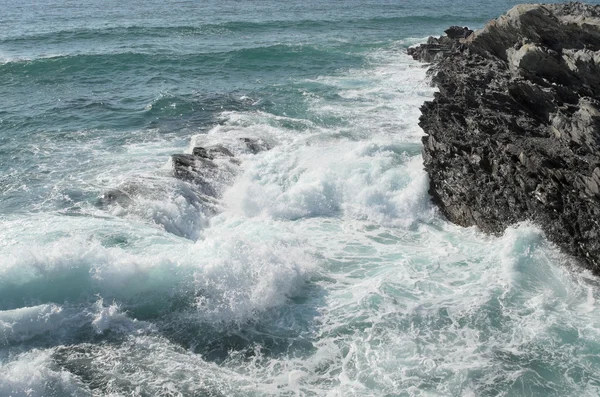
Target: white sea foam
[4,59]
[237,269]
[111,317]
[59,321]
[26,322]
[33,374]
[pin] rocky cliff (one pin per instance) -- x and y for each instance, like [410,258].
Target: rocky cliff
[514,132]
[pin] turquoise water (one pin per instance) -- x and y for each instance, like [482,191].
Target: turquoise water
[321,269]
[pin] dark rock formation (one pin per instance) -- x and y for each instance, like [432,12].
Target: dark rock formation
[209,170]
[436,49]
[212,168]
[439,48]
[456,32]
[203,170]
[514,132]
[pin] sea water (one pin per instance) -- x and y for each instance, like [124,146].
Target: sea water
[322,268]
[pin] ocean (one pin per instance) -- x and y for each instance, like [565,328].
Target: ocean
[319,267]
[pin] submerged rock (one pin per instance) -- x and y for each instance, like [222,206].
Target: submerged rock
[114,196]
[255,145]
[514,132]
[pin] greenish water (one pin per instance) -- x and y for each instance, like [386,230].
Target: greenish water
[321,269]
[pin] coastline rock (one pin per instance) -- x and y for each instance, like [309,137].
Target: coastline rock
[456,32]
[514,132]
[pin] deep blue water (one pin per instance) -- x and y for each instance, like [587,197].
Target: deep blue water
[320,269]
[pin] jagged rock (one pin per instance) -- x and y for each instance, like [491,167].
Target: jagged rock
[514,132]
[202,168]
[435,49]
[457,32]
[212,168]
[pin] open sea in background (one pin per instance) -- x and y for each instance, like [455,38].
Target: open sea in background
[321,270]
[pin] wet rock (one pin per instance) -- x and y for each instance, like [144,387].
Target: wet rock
[114,196]
[514,132]
[211,152]
[255,145]
[212,168]
[201,169]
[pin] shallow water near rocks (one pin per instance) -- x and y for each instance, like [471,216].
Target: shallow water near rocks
[322,270]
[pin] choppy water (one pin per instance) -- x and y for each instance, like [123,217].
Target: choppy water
[325,272]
